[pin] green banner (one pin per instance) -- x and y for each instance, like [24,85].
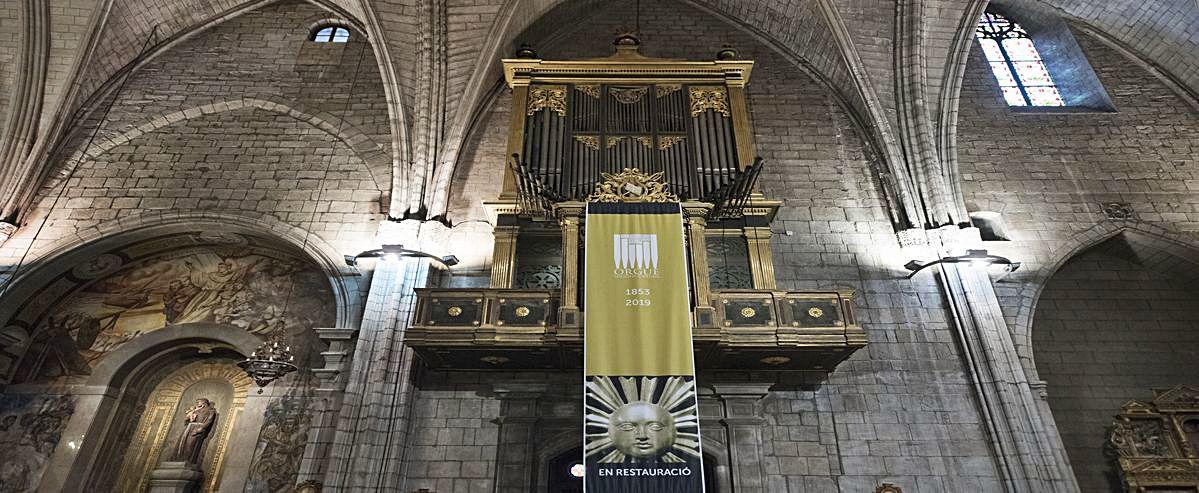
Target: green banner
[641,426]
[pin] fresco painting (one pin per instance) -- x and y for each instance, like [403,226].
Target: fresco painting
[249,290]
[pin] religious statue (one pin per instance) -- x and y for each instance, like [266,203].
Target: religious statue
[196,426]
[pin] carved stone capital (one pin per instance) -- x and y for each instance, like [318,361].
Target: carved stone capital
[7,230]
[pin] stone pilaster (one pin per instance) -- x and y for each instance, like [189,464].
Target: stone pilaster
[372,424]
[330,385]
[516,457]
[743,425]
[1025,442]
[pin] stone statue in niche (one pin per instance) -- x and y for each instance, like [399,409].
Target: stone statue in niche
[196,427]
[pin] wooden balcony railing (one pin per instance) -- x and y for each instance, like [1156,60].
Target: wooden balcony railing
[518,329]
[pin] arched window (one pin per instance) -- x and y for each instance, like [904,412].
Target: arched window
[331,34]
[1020,70]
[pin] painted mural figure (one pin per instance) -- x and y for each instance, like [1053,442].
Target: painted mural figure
[197,425]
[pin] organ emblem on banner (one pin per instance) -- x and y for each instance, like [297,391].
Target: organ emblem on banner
[635,255]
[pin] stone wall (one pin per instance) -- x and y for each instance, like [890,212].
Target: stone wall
[454,438]
[1108,330]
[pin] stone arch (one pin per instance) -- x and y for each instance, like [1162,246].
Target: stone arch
[118,364]
[58,258]
[371,153]
[107,410]
[1154,236]
[1113,318]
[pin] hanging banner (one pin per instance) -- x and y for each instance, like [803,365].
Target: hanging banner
[641,426]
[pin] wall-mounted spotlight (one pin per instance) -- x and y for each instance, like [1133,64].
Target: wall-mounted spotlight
[974,257]
[397,251]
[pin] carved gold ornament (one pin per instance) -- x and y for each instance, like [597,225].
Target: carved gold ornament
[454,311]
[522,311]
[887,488]
[667,141]
[589,89]
[632,185]
[612,141]
[775,360]
[645,140]
[708,98]
[664,90]
[748,312]
[815,312]
[628,95]
[1152,442]
[494,360]
[547,97]
[589,141]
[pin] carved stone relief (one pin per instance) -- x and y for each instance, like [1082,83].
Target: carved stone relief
[281,443]
[30,430]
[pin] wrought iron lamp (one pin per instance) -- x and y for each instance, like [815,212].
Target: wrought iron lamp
[975,257]
[270,361]
[399,251]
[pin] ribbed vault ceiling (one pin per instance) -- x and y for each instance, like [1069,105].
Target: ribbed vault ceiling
[440,56]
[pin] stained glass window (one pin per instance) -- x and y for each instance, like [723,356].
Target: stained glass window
[1017,65]
[331,34]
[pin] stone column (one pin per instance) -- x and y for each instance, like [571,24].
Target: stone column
[761,262]
[697,224]
[516,451]
[1028,449]
[503,260]
[372,425]
[743,425]
[570,216]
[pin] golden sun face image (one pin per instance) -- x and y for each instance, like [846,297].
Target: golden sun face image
[641,419]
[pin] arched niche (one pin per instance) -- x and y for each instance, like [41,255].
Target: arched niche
[1115,321]
[159,426]
[121,426]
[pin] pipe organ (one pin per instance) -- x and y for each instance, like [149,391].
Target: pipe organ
[631,128]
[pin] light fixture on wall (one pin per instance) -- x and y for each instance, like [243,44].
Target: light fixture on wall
[271,361]
[972,257]
[396,251]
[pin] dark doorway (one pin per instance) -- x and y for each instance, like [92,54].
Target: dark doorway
[564,467]
[562,480]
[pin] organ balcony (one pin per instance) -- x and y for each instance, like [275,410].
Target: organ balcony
[519,329]
[631,128]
